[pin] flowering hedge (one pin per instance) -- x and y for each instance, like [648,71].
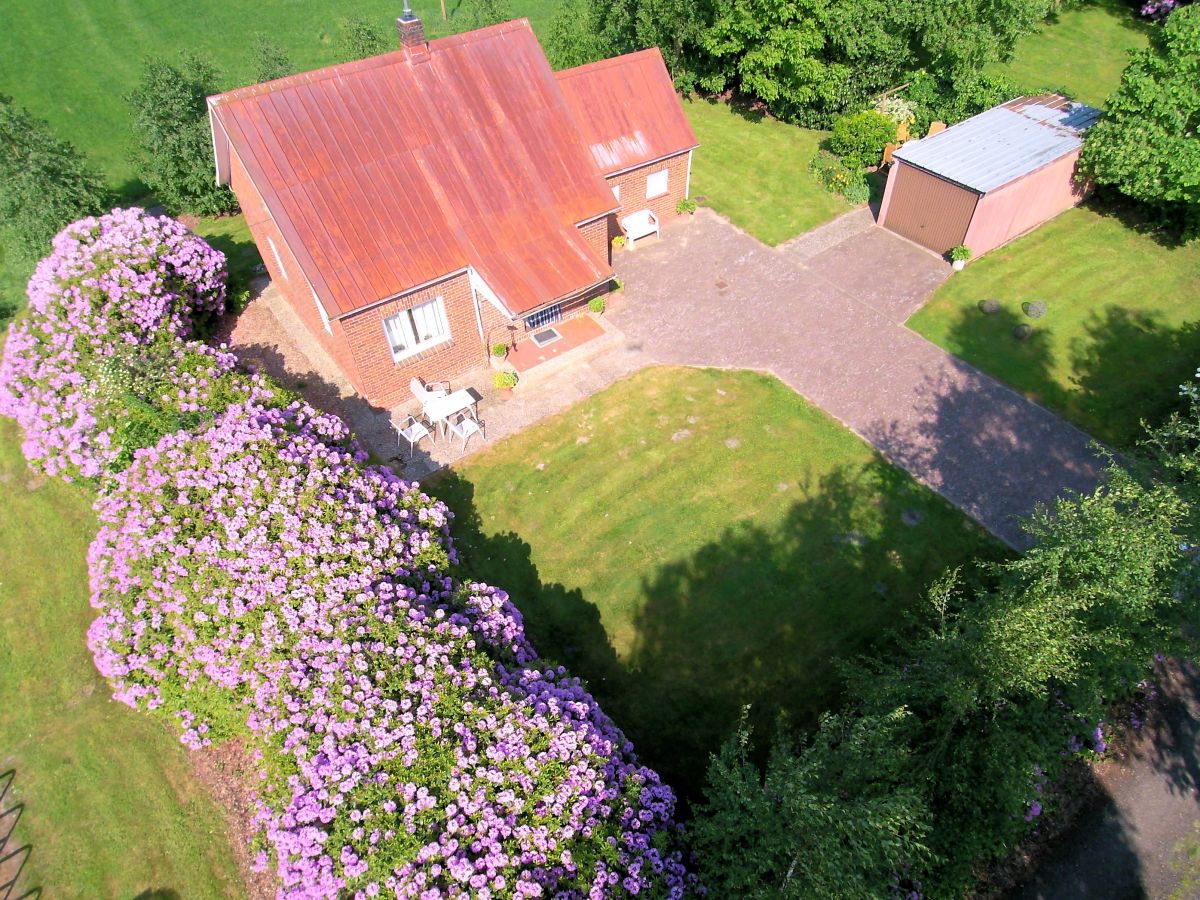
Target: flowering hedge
[118,287]
[253,577]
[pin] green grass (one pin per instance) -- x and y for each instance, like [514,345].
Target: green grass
[692,540]
[110,806]
[754,171]
[1120,332]
[231,235]
[1080,52]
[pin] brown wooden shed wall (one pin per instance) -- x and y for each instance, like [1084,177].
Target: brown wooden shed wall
[931,211]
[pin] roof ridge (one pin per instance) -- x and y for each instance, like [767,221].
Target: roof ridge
[608,63]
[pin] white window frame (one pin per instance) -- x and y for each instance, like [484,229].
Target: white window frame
[616,189]
[666,183]
[404,324]
[278,258]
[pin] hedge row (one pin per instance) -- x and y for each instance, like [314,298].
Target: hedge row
[254,578]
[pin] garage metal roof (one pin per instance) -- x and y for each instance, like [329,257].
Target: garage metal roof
[391,172]
[1001,145]
[627,110]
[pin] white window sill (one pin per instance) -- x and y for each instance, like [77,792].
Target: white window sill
[418,350]
[659,194]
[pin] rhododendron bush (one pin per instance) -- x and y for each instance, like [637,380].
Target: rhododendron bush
[254,578]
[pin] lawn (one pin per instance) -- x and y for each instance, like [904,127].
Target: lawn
[692,540]
[1120,329]
[754,171]
[1080,51]
[110,807]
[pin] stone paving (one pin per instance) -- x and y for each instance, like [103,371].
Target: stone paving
[825,314]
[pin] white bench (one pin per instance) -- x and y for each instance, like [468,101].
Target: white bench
[639,225]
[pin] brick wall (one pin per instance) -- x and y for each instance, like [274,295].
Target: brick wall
[633,189]
[599,234]
[384,381]
[288,278]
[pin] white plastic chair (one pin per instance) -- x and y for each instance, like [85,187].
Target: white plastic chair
[412,431]
[427,391]
[465,428]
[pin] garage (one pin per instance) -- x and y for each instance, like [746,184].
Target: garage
[991,178]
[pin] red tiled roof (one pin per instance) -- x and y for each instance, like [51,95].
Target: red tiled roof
[390,172]
[627,110]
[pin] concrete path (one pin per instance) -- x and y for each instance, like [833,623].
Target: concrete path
[1133,841]
[825,314]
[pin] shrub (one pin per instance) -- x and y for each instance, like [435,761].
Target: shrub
[618,242]
[500,350]
[895,109]
[270,61]
[836,177]
[596,305]
[45,183]
[361,39]
[961,253]
[686,206]
[120,290]
[505,381]
[859,138]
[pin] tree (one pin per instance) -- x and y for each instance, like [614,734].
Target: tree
[1147,145]
[270,61]
[574,37]
[481,13]
[830,819]
[174,151]
[45,183]
[361,39]
[859,139]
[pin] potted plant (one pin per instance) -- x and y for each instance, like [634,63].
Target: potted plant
[499,350]
[596,305]
[505,381]
[686,207]
[618,242]
[959,256]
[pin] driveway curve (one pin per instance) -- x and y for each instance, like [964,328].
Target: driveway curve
[825,313]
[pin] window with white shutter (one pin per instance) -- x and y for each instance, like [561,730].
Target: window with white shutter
[417,329]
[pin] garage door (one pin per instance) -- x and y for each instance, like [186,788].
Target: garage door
[928,210]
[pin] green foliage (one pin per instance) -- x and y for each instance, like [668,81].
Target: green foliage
[774,51]
[596,305]
[834,818]
[673,26]
[941,99]
[1147,146]
[361,38]
[961,253]
[574,37]
[270,60]
[618,242]
[686,206]
[174,152]
[500,350]
[838,178]
[472,14]
[45,183]
[505,381]
[859,138]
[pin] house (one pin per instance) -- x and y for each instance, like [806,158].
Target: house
[991,178]
[417,207]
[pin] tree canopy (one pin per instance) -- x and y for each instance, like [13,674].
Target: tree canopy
[1148,144]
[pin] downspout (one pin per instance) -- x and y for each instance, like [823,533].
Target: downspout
[687,185]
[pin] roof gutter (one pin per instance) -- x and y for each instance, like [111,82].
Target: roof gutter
[651,162]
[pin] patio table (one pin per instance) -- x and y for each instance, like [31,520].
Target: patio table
[440,409]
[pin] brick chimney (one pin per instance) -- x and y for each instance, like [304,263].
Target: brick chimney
[410,29]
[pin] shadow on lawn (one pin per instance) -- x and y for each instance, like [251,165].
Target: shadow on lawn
[756,616]
[12,859]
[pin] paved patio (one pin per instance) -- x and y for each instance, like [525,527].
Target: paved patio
[825,314]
